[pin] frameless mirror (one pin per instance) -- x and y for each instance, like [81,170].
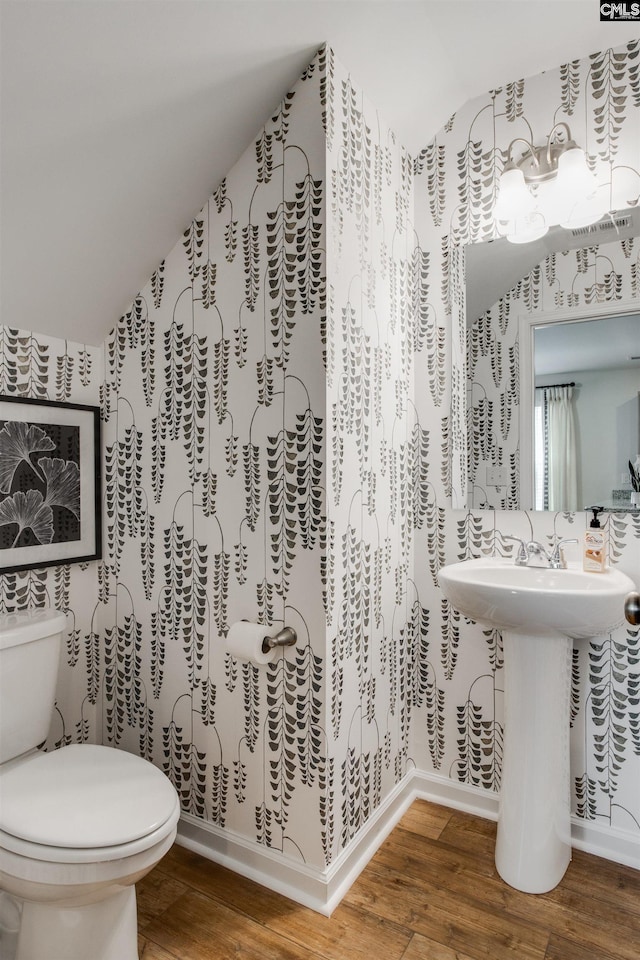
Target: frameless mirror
[542,350]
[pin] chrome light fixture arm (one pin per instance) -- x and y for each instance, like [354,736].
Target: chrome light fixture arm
[539,164]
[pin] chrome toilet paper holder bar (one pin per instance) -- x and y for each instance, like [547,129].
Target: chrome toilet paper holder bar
[287,637]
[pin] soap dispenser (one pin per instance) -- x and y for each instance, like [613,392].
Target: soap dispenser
[594,559]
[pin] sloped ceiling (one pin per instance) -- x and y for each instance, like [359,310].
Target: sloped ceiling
[120,117]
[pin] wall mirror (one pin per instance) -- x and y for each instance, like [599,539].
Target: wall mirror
[570,324]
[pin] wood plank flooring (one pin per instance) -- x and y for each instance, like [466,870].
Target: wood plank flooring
[430,893]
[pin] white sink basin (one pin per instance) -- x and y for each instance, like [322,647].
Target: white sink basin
[539,612]
[536,600]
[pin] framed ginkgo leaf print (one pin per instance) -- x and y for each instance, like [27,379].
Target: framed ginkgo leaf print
[49,483]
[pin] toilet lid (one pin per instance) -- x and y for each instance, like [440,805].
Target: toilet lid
[84,796]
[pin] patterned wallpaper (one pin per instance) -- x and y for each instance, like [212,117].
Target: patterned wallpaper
[215,495]
[459,733]
[578,278]
[45,368]
[373,442]
[259,433]
[282,433]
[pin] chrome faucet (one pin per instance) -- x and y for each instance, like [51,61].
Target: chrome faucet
[526,551]
[535,549]
[522,556]
[557,560]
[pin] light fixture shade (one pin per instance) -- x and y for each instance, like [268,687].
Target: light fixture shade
[553,203]
[548,185]
[514,198]
[525,229]
[574,176]
[587,211]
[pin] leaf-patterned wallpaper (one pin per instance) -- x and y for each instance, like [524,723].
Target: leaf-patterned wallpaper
[35,366]
[260,440]
[374,619]
[215,439]
[455,187]
[280,418]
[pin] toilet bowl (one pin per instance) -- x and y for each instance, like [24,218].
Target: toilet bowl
[79,826]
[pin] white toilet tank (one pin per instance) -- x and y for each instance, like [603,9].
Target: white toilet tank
[29,657]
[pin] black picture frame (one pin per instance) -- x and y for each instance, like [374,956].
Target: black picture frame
[50,483]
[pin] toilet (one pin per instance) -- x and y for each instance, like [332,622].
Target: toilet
[79,826]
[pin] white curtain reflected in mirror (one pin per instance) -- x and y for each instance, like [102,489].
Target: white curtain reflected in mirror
[555,448]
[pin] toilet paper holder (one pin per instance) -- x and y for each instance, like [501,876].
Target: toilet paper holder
[287,637]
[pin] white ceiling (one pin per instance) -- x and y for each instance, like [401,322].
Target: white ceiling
[119,117]
[608,343]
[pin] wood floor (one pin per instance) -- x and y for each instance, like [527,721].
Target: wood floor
[430,893]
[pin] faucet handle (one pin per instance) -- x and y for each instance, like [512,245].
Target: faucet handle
[535,548]
[522,556]
[557,561]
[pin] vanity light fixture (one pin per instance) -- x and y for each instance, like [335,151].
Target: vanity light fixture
[549,184]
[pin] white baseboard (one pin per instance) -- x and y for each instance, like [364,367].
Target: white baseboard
[350,863]
[314,887]
[458,796]
[323,889]
[611,843]
[295,880]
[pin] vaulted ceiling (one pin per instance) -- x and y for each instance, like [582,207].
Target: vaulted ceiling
[119,117]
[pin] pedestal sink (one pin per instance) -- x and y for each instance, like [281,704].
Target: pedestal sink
[540,611]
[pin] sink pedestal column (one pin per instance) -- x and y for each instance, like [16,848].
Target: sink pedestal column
[533,847]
